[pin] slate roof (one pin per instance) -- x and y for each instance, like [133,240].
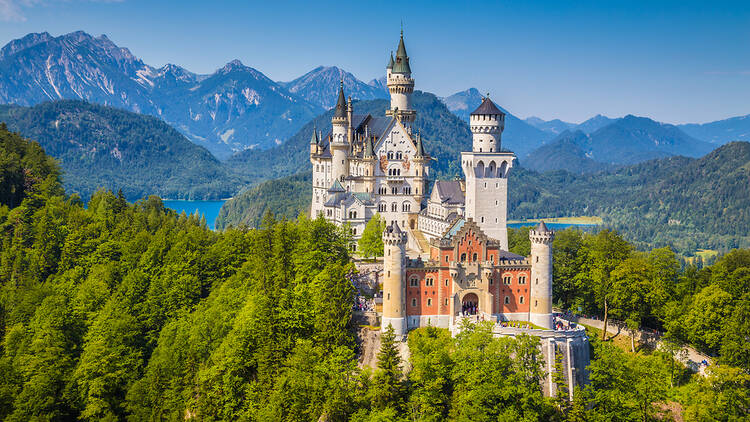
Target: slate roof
[508,256]
[393,228]
[487,107]
[542,227]
[341,103]
[336,187]
[402,60]
[449,191]
[454,229]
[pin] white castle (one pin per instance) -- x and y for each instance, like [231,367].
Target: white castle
[369,165]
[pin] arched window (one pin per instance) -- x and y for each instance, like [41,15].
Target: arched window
[413,301]
[474,257]
[507,300]
[381,207]
[414,282]
[522,279]
[390,155]
[406,207]
[394,191]
[520,300]
[394,207]
[463,257]
[382,190]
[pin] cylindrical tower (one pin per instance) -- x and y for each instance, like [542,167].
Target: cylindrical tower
[400,84]
[339,135]
[540,309]
[394,274]
[487,123]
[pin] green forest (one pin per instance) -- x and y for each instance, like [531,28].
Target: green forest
[128,311]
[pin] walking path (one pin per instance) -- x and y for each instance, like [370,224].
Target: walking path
[687,355]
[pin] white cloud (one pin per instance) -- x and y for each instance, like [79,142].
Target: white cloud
[13,10]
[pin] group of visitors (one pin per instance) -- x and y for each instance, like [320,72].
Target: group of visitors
[363,304]
[469,308]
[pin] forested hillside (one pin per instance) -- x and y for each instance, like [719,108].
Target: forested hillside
[123,311]
[99,146]
[286,198]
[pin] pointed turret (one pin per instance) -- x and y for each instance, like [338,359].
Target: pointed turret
[369,149]
[390,62]
[420,147]
[402,60]
[314,138]
[341,103]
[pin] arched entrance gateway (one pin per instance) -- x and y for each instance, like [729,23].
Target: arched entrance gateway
[470,304]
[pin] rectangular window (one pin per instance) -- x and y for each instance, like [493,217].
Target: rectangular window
[429,302]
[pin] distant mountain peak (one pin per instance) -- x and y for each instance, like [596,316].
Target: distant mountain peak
[320,85]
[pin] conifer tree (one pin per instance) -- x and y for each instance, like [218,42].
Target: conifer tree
[387,385]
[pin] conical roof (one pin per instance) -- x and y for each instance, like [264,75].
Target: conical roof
[402,60]
[390,62]
[394,228]
[420,147]
[314,137]
[541,227]
[487,108]
[369,149]
[341,103]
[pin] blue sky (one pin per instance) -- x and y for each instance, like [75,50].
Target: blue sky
[674,61]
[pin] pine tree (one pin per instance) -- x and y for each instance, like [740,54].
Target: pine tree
[387,385]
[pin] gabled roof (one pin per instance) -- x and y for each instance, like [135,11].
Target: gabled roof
[336,187]
[449,191]
[487,108]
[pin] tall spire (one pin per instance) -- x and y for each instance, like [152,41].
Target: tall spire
[420,146]
[369,149]
[390,62]
[341,103]
[402,60]
[314,137]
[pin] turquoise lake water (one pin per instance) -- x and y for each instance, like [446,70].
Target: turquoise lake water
[208,209]
[553,226]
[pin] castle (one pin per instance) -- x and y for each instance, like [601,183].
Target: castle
[446,257]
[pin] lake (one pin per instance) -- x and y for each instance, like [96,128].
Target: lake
[552,226]
[208,209]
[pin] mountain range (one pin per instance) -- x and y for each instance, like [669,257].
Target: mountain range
[628,140]
[235,108]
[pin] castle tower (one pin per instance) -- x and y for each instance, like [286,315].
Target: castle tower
[486,170]
[540,310]
[318,176]
[394,272]
[400,84]
[339,138]
[487,123]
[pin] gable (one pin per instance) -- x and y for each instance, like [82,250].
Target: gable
[395,138]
